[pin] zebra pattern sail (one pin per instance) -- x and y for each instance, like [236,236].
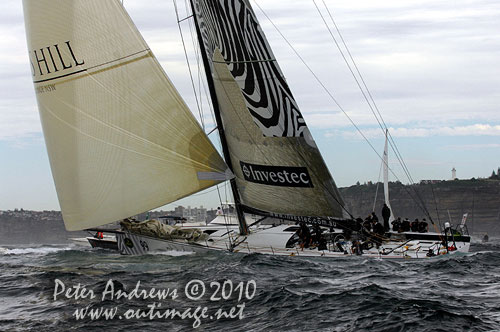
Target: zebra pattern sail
[277,164]
[231,27]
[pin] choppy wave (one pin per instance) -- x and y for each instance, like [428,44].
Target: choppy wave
[456,293]
[32,250]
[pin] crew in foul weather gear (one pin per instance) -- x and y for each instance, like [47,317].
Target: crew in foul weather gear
[386,214]
[405,226]
[396,224]
[423,226]
[415,225]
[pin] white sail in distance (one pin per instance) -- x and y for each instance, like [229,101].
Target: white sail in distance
[386,177]
[120,138]
[277,164]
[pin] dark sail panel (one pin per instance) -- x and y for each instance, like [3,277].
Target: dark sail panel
[277,164]
[231,27]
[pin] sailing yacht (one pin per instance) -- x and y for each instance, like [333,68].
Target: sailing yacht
[122,141]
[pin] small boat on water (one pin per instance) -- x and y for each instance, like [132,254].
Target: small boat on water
[122,141]
[105,241]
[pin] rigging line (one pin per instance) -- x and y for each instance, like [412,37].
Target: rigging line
[249,61]
[318,80]
[382,125]
[333,195]
[267,159]
[199,103]
[348,65]
[321,84]
[378,182]
[351,58]
[380,121]
[196,54]
[333,98]
[202,83]
[391,141]
[201,78]
[204,192]
[225,219]
[408,175]
[407,172]
[435,203]
[396,151]
[225,191]
[185,18]
[189,66]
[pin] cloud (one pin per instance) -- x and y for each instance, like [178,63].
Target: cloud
[469,130]
[473,146]
[19,124]
[432,69]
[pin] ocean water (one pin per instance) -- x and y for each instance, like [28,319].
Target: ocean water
[50,288]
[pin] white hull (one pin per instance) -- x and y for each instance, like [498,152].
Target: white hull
[107,242]
[273,240]
[80,241]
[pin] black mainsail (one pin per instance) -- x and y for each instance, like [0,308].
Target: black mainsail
[278,167]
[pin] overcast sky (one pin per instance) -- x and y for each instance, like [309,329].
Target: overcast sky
[431,66]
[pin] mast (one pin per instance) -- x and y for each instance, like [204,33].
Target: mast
[225,150]
[386,177]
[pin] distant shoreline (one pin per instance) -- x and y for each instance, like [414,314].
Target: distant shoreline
[479,198]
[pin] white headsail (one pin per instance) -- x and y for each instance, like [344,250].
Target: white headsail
[120,138]
[277,164]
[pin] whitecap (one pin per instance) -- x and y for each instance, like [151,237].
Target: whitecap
[32,251]
[174,253]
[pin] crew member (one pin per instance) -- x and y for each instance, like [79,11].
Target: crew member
[305,235]
[415,225]
[396,224]
[379,231]
[317,233]
[219,211]
[318,239]
[386,214]
[423,226]
[378,228]
[367,224]
[405,226]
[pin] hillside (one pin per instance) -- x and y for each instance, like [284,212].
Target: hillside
[479,198]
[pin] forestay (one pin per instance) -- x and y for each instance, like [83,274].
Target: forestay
[120,138]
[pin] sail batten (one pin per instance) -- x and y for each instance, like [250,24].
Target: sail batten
[120,138]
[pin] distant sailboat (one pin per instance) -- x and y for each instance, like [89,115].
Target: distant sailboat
[122,141]
[385,163]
